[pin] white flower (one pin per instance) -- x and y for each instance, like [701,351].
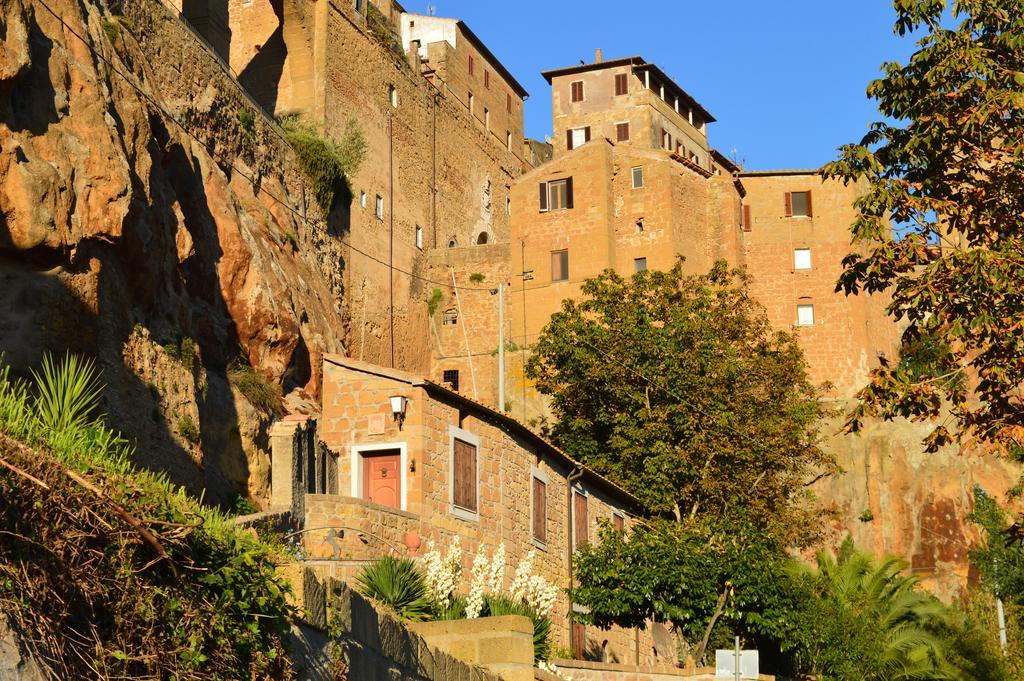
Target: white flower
[520,583]
[481,572]
[535,590]
[496,577]
[442,574]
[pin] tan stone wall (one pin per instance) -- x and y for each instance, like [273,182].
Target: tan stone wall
[503,645]
[470,346]
[506,463]
[682,213]
[848,332]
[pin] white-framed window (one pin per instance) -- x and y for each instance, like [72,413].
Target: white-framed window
[464,473]
[539,507]
[805,314]
[362,199]
[419,237]
[638,177]
[801,258]
[393,96]
[378,207]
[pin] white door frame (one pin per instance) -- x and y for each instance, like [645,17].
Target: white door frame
[356,469]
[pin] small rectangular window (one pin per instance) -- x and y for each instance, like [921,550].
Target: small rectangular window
[419,237]
[487,79]
[577,91]
[472,65]
[638,177]
[577,137]
[362,199]
[621,84]
[556,195]
[746,219]
[805,315]
[487,119]
[508,102]
[393,95]
[560,265]
[378,207]
[469,99]
[802,259]
[798,204]
[622,132]
[451,377]
[450,317]
[508,140]
[540,510]
[639,264]
[619,522]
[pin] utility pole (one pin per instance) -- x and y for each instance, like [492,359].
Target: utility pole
[501,347]
[1002,624]
[737,668]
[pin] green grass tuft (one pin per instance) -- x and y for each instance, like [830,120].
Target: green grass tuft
[327,163]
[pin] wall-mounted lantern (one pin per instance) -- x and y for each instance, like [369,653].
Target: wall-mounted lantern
[398,405]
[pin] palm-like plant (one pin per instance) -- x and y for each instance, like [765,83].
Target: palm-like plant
[883,608]
[496,606]
[398,584]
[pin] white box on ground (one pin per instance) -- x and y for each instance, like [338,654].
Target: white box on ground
[725,664]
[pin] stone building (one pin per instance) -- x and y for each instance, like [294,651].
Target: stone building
[406,461]
[627,101]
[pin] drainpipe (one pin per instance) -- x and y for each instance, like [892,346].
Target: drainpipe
[575,475]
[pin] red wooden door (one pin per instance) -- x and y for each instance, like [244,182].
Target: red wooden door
[382,477]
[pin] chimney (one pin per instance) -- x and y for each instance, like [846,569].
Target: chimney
[598,57]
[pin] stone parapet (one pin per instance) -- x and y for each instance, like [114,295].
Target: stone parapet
[502,644]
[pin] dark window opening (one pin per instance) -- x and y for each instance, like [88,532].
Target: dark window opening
[451,377]
[450,317]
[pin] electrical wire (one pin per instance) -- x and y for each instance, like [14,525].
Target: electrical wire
[256,186]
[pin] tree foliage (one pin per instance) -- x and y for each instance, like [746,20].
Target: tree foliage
[676,387]
[947,166]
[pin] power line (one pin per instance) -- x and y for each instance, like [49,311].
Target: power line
[257,186]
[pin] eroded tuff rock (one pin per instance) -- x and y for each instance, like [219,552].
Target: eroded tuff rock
[122,231]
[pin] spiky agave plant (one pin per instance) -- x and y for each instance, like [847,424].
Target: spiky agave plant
[497,605]
[398,584]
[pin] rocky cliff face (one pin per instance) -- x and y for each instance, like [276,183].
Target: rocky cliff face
[152,217]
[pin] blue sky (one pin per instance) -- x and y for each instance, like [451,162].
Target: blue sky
[785,80]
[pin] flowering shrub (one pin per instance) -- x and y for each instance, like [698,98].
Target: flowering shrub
[488,578]
[536,591]
[443,574]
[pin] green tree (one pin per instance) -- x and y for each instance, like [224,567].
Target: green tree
[676,387]
[947,166]
[999,557]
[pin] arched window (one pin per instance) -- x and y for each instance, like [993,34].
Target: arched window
[452,243]
[449,317]
[482,239]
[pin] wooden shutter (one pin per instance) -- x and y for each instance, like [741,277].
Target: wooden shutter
[471,65]
[789,205]
[543,196]
[464,475]
[747,223]
[540,510]
[622,132]
[580,520]
[577,640]
[619,523]
[809,212]
[621,84]
[568,139]
[568,192]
